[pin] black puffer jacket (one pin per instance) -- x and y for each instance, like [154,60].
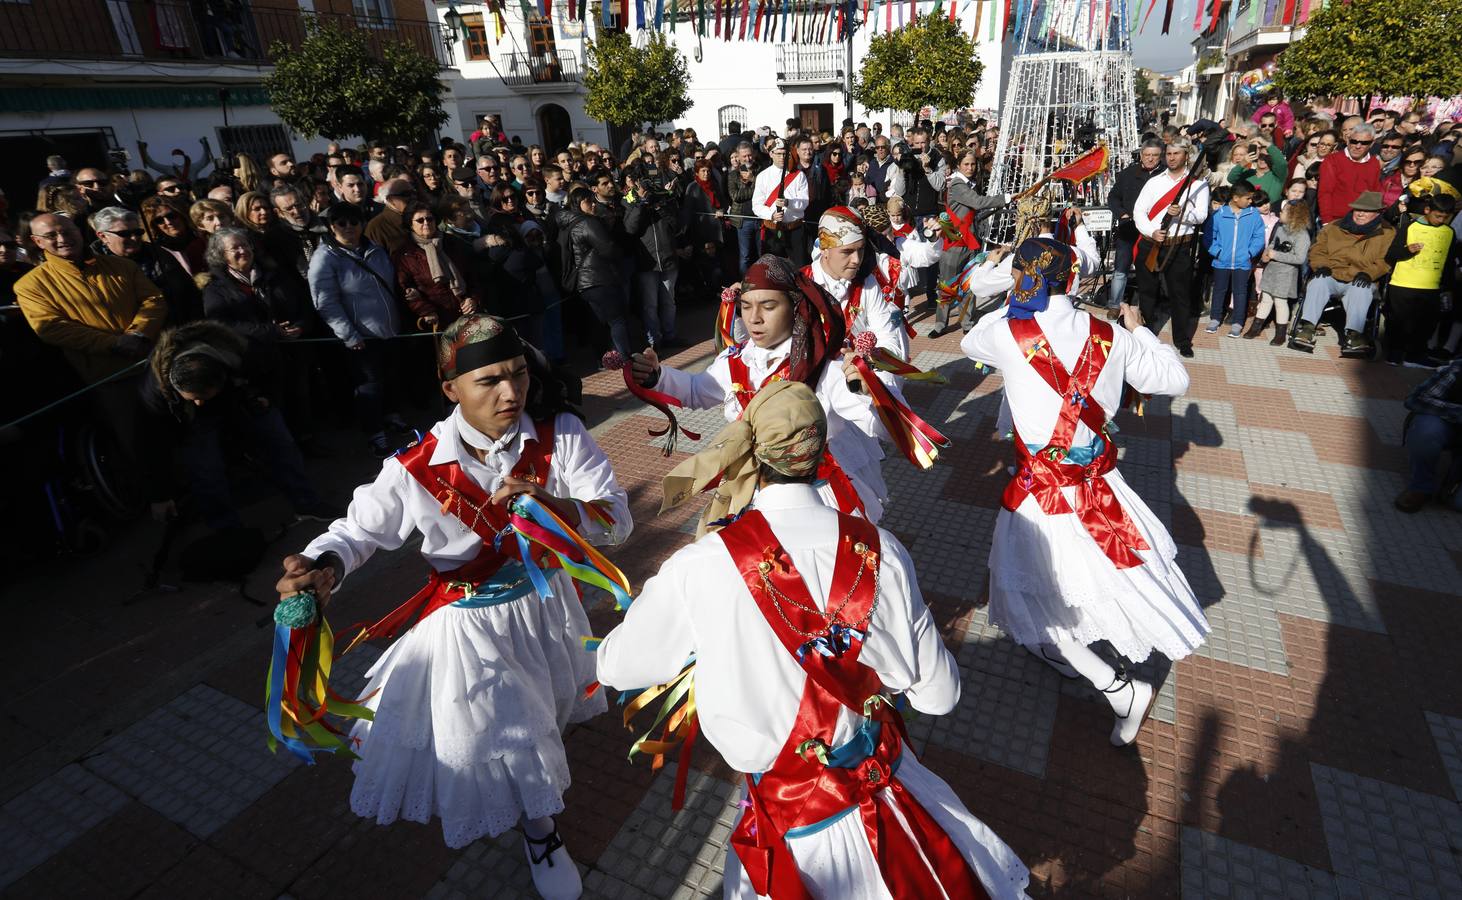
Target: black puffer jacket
[653,222]
[594,259]
[1122,201]
[278,296]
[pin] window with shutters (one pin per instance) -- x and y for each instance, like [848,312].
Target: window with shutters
[476,43]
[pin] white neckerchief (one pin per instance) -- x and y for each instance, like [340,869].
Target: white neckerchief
[839,289]
[763,361]
[479,441]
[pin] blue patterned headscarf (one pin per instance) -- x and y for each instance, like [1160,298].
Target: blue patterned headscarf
[1041,266]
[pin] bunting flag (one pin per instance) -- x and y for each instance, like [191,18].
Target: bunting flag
[786,14]
[573,10]
[639,14]
[994,19]
[979,15]
[758,7]
[674,14]
[700,17]
[745,14]
[1217,11]
[1167,17]
[1198,15]
[659,13]
[717,30]
[1288,13]
[606,14]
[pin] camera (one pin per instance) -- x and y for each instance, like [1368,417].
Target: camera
[743,168]
[1284,246]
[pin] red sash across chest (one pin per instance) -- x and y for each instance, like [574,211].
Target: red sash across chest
[916,858]
[776,193]
[1043,474]
[464,499]
[828,470]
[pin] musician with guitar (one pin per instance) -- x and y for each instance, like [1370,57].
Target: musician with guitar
[1170,212]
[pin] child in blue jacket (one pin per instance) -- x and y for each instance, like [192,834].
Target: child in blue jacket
[1234,236]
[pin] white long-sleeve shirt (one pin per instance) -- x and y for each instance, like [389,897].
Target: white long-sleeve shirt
[796,194]
[386,512]
[1136,357]
[1193,203]
[915,253]
[748,689]
[853,427]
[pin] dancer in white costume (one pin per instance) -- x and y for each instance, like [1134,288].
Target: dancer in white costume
[794,332]
[470,704]
[1077,557]
[828,624]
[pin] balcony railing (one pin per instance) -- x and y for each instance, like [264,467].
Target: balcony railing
[805,65]
[550,67]
[184,31]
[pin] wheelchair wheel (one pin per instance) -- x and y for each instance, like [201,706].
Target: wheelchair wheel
[106,474]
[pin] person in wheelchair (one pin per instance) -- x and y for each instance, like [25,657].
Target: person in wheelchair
[1347,259]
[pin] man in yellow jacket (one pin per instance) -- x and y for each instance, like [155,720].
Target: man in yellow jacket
[101,311]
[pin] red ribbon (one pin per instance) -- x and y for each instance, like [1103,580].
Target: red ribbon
[661,401]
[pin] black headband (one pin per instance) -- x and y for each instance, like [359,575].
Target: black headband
[503,346]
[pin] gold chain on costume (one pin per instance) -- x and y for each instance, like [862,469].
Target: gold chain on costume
[833,619]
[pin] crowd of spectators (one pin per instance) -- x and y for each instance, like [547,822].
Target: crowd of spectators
[316,266]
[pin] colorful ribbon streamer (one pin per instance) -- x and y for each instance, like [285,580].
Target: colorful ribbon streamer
[297,694]
[916,439]
[537,527]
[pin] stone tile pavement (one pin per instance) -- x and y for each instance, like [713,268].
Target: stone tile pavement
[1312,748]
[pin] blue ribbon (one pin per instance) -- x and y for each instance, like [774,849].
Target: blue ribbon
[833,644]
[1078,456]
[277,666]
[660,13]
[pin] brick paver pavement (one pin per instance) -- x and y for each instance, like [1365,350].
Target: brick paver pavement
[1312,748]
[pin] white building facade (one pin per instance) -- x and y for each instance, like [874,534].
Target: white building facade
[90,80]
[532,75]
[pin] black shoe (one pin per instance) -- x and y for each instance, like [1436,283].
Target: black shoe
[1185,352]
[318,511]
[936,332]
[1355,345]
[1303,338]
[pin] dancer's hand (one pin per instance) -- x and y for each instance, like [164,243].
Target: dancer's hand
[513,486]
[645,367]
[1131,317]
[304,574]
[852,376]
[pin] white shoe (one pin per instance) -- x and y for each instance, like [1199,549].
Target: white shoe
[1055,660]
[554,874]
[1140,695]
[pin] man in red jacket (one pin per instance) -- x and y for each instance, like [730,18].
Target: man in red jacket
[1345,176]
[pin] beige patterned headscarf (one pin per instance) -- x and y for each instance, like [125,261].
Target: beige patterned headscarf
[783,426]
[1032,215]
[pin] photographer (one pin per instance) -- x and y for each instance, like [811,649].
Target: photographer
[1122,202]
[740,185]
[652,219]
[924,169]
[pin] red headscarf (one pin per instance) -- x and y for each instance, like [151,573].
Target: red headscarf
[817,328]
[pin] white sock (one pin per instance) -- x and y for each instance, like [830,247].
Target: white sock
[538,829]
[1095,669]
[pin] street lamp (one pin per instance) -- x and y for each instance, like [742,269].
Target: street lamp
[453,20]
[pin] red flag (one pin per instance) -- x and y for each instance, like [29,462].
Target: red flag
[1084,167]
[1288,13]
[1218,11]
